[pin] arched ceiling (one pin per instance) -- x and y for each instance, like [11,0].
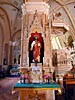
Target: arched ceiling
[63,11]
[12,9]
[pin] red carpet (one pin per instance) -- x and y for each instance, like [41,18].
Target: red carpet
[6,89]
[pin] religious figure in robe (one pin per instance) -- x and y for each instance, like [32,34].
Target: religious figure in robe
[36,46]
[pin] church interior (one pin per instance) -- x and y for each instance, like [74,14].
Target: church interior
[37,49]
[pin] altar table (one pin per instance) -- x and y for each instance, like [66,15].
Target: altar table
[29,91]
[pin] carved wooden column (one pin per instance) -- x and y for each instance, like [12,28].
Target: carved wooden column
[24,40]
[47,49]
[22,43]
[51,67]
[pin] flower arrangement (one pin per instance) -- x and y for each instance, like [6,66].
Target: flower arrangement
[24,78]
[48,77]
[27,77]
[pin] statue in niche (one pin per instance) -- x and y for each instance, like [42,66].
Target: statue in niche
[36,46]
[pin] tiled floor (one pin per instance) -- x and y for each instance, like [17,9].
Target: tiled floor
[6,89]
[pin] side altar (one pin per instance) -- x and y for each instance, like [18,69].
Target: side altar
[36,81]
[36,91]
